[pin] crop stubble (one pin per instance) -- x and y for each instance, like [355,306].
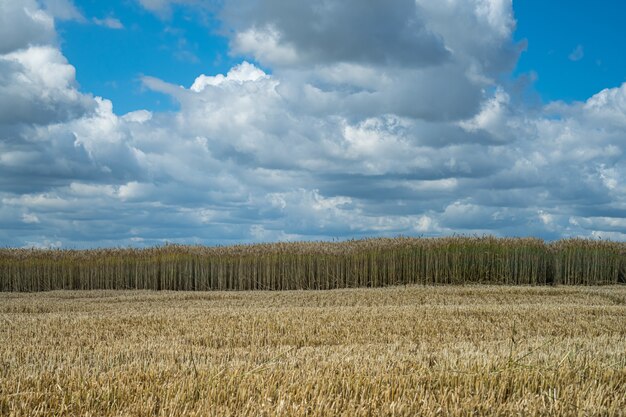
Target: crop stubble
[415,350]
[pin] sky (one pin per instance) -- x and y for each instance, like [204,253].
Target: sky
[141,122]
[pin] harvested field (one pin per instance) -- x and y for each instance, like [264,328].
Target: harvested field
[416,350]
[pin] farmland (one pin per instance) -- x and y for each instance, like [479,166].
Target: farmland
[319,265]
[404,350]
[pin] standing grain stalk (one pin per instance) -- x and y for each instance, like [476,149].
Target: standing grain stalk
[319,265]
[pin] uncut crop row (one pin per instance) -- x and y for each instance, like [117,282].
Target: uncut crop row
[315,265]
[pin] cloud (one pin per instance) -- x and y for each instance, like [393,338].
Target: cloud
[305,139]
[38,86]
[63,10]
[30,218]
[406,59]
[163,8]
[50,132]
[22,24]
[157,6]
[335,31]
[608,106]
[109,22]
[240,74]
[577,54]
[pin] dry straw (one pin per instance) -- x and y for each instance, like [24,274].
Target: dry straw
[319,265]
[398,351]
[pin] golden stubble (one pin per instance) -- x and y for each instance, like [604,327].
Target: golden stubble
[471,350]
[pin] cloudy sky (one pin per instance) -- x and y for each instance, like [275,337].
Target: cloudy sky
[139,122]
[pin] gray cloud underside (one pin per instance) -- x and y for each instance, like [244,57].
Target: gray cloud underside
[373,121]
[374,32]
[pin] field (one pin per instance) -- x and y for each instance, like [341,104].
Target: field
[414,350]
[319,265]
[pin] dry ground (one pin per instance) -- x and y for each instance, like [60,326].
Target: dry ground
[395,351]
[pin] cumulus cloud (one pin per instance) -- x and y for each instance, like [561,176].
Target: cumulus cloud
[38,86]
[239,75]
[23,23]
[354,121]
[44,118]
[406,59]
[332,31]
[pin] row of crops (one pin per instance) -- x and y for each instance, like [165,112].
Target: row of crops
[319,265]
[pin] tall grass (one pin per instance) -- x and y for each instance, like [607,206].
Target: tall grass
[316,265]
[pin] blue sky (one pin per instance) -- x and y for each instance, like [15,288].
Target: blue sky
[176,47]
[556,31]
[139,122]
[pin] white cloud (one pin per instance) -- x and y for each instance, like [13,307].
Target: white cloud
[494,117]
[498,14]
[79,189]
[241,73]
[22,23]
[29,218]
[63,10]
[43,244]
[109,22]
[163,8]
[325,142]
[336,31]
[138,116]
[37,85]
[136,191]
[608,106]
[156,6]
[264,44]
[577,54]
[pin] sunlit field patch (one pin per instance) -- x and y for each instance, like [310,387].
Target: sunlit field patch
[414,350]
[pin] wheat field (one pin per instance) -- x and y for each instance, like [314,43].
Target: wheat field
[414,350]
